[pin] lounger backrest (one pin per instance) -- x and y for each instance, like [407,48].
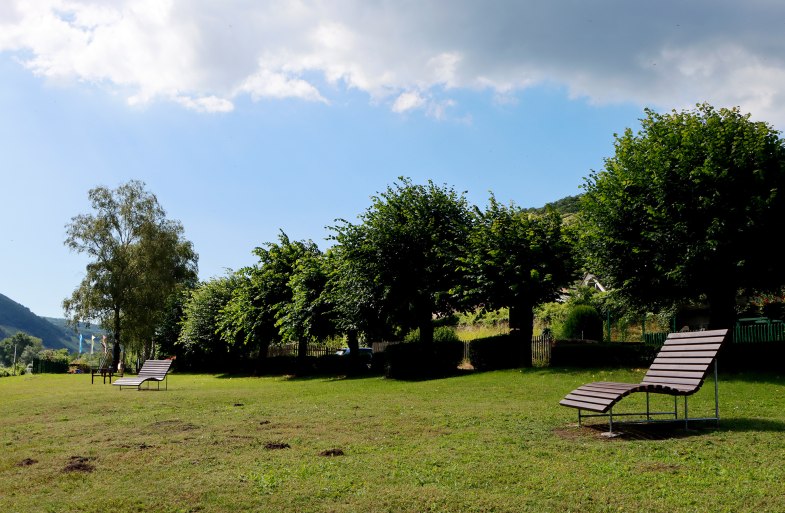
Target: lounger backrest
[155,368]
[685,359]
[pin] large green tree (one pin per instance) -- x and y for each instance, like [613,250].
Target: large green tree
[200,343]
[517,259]
[686,208]
[255,314]
[138,258]
[406,250]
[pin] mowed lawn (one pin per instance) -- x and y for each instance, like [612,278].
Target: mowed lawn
[496,441]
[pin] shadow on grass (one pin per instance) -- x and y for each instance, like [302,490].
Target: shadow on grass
[670,430]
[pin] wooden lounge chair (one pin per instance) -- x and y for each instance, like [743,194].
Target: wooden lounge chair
[152,370]
[679,369]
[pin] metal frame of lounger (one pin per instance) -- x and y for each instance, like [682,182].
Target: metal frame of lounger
[648,413]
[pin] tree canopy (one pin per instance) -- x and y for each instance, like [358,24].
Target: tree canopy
[516,260]
[405,251]
[685,209]
[138,258]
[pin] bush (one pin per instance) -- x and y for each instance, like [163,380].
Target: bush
[582,322]
[491,353]
[422,361]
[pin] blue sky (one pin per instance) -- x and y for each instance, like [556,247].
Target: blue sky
[246,118]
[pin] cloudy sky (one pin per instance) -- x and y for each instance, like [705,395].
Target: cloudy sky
[247,117]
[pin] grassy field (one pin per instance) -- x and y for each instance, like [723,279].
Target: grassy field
[479,442]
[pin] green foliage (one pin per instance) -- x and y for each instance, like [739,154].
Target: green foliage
[405,251]
[25,347]
[440,334]
[485,318]
[516,260]
[566,205]
[200,345]
[493,353]
[681,209]
[138,258]
[582,322]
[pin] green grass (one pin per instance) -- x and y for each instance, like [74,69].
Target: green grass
[482,442]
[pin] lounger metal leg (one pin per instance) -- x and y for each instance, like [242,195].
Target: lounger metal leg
[610,421]
[686,416]
[716,395]
[648,416]
[675,407]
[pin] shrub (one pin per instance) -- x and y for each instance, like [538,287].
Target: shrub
[491,353]
[582,322]
[422,361]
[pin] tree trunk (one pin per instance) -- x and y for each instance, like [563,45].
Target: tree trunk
[521,329]
[426,329]
[116,348]
[722,308]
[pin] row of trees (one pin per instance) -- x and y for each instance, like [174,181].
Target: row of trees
[679,213]
[418,252]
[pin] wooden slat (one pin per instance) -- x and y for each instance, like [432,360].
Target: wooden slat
[676,374]
[697,340]
[592,400]
[582,405]
[672,381]
[698,334]
[594,393]
[695,347]
[678,367]
[675,359]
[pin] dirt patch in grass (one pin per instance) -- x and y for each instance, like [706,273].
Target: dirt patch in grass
[276,445]
[26,462]
[174,425]
[264,422]
[78,464]
[332,452]
[571,432]
[239,404]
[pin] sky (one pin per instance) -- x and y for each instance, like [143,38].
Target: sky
[249,117]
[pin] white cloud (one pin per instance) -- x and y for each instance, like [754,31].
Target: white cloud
[408,55]
[408,101]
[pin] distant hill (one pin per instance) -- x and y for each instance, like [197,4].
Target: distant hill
[15,317]
[566,205]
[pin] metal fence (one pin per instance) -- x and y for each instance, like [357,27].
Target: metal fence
[742,333]
[292,349]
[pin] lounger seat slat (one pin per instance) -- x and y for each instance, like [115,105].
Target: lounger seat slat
[669,373]
[679,367]
[665,360]
[582,405]
[587,399]
[692,347]
[693,341]
[697,334]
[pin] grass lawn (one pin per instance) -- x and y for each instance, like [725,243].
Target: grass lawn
[497,441]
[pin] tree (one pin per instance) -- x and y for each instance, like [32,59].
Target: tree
[309,315]
[200,343]
[21,346]
[516,260]
[684,209]
[252,315]
[406,248]
[138,258]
